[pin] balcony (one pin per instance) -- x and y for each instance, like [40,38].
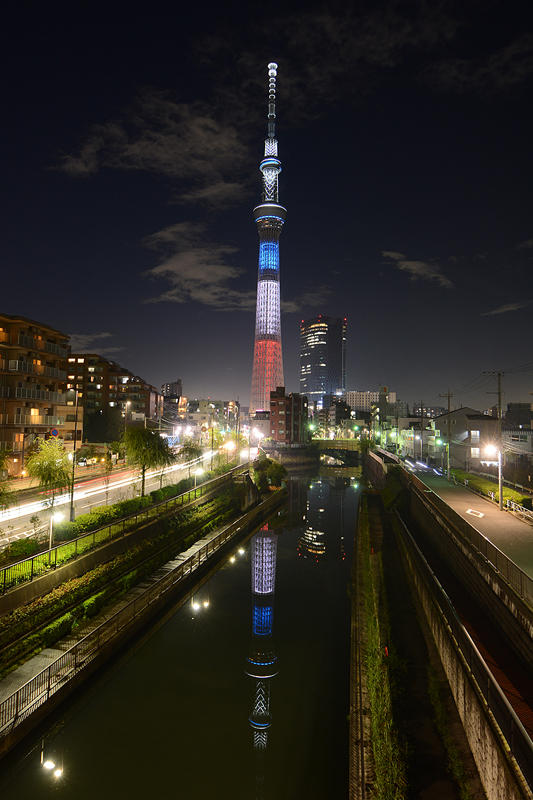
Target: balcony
[52,372]
[4,336]
[56,349]
[41,394]
[27,341]
[21,366]
[27,419]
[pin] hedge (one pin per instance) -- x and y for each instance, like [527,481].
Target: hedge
[485,485]
[184,529]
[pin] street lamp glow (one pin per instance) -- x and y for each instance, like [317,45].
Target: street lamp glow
[58,516]
[232,559]
[241,551]
[206,603]
[48,764]
[199,471]
[58,773]
[438,442]
[230,445]
[491,450]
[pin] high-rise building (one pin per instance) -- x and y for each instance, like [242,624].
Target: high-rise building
[172,389]
[322,358]
[269,217]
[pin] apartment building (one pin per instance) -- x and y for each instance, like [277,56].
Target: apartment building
[104,384]
[288,417]
[33,398]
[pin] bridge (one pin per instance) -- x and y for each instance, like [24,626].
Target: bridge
[345,450]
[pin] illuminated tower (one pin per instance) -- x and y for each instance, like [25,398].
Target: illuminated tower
[269,217]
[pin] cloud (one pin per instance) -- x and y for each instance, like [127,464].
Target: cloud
[527,245]
[311,299]
[503,69]
[423,270]
[88,342]
[202,272]
[506,308]
[190,142]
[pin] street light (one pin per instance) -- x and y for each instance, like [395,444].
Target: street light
[57,517]
[229,447]
[197,473]
[492,450]
[126,404]
[439,442]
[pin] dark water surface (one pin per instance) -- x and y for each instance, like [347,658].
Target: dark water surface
[242,692]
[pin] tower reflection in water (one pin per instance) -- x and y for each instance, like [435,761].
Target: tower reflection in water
[261,664]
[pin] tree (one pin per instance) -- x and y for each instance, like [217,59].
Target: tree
[51,466]
[146,449]
[189,451]
[6,496]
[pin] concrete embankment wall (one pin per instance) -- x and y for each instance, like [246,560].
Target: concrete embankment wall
[147,614]
[498,770]
[443,527]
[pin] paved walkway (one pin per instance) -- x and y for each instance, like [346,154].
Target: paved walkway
[510,534]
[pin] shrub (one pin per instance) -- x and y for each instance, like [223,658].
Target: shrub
[60,627]
[20,549]
[92,606]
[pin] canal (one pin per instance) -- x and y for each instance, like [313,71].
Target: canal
[241,691]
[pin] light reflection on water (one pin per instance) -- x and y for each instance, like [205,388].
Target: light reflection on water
[178,716]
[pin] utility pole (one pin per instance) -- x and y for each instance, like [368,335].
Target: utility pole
[421,430]
[72,512]
[449,396]
[499,375]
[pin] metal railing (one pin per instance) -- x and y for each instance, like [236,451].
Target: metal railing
[41,394]
[513,574]
[21,366]
[19,705]
[52,372]
[514,732]
[56,349]
[38,419]
[28,569]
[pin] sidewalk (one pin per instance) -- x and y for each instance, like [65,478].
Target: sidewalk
[508,533]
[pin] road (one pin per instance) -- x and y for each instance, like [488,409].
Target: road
[125,484]
[510,535]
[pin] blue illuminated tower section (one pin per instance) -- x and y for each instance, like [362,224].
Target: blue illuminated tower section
[269,217]
[262,661]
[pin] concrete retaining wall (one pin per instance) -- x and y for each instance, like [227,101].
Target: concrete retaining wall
[499,773]
[513,617]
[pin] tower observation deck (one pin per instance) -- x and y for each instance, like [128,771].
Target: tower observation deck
[269,217]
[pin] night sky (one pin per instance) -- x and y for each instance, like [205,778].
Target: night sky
[131,145]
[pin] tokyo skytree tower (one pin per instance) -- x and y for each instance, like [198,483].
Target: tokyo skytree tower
[269,217]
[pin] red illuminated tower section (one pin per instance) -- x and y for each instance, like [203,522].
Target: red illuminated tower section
[269,217]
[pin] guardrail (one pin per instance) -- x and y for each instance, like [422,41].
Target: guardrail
[509,504]
[516,577]
[32,567]
[505,716]
[19,705]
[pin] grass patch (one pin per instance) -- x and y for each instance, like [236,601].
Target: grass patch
[389,761]
[486,485]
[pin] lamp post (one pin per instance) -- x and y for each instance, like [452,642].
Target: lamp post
[57,517]
[126,404]
[197,473]
[229,447]
[492,450]
[447,445]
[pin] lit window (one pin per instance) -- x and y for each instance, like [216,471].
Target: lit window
[71,360]
[474,452]
[81,360]
[474,435]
